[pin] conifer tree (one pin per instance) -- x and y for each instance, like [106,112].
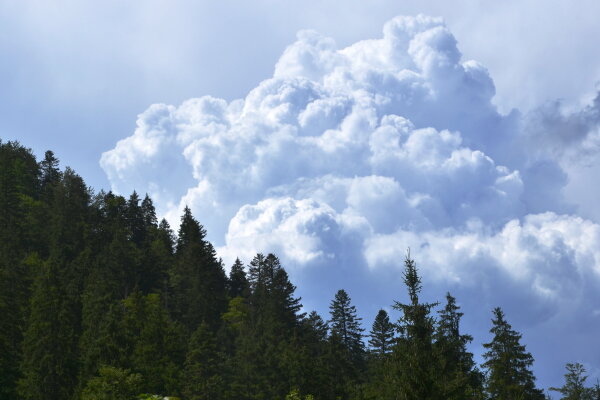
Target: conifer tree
[49,365]
[317,326]
[267,333]
[508,364]
[197,278]
[157,343]
[382,334]
[19,180]
[345,323]
[113,383]
[203,376]
[412,372]
[238,282]
[574,386]
[458,375]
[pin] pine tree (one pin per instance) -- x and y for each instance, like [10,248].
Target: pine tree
[508,364]
[382,334]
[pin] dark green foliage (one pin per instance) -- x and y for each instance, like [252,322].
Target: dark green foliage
[49,365]
[98,300]
[238,282]
[382,335]
[197,291]
[157,344]
[345,323]
[508,364]
[20,222]
[457,374]
[113,384]
[574,386]
[204,366]
[412,371]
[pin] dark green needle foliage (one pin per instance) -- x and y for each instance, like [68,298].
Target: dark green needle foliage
[458,375]
[345,323]
[100,300]
[412,371]
[382,335]
[508,364]
[574,387]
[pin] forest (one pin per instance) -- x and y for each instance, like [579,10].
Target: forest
[100,300]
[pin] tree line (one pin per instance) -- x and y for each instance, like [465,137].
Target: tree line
[100,300]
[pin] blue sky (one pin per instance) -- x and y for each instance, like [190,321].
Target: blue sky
[338,137]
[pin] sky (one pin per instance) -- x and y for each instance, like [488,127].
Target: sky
[338,137]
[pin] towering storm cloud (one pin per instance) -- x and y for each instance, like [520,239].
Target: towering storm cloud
[347,156]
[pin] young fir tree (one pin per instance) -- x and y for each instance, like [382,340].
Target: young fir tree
[458,375]
[574,386]
[412,372]
[508,364]
[345,323]
[382,335]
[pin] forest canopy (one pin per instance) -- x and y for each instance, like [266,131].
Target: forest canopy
[101,300]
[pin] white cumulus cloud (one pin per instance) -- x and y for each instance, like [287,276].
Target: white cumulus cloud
[372,148]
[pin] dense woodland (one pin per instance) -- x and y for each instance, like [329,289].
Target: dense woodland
[100,300]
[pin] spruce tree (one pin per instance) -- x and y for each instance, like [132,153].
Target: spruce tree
[458,376]
[262,367]
[197,279]
[19,240]
[345,323]
[574,386]
[382,334]
[49,365]
[157,343]
[508,364]
[412,372]
[203,376]
[238,282]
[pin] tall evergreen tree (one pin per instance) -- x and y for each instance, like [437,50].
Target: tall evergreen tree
[49,363]
[508,364]
[345,323]
[265,336]
[203,376]
[458,375]
[382,334]
[19,180]
[238,282]
[412,372]
[197,278]
[157,343]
